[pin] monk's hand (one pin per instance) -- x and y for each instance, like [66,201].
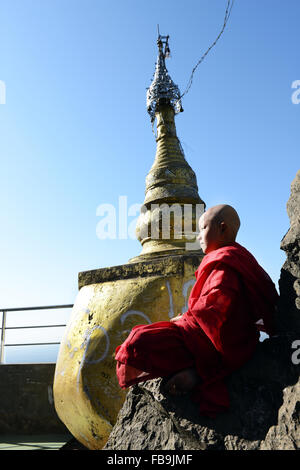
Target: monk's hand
[176,318]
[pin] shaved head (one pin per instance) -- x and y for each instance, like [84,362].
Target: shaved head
[227,214]
[218,227]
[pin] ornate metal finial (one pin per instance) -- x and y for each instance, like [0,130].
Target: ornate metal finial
[162,87]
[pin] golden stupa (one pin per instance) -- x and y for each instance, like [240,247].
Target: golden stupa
[153,286]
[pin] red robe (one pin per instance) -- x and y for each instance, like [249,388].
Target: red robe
[232,299]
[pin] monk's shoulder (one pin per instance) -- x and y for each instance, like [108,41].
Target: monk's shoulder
[222,276]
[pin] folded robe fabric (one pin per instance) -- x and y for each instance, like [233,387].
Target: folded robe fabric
[232,299]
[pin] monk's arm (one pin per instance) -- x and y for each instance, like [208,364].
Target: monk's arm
[178,317]
[217,310]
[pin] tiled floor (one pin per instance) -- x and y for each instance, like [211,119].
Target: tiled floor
[36,442]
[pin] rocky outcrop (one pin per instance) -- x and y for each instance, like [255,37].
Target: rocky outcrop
[264,411]
[264,394]
[288,319]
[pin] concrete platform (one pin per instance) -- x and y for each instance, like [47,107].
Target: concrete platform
[34,442]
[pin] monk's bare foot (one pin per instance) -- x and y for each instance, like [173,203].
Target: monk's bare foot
[182,382]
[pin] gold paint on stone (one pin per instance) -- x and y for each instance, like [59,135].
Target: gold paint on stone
[87,395]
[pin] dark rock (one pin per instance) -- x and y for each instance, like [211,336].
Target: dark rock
[288,319]
[264,390]
[264,394]
[73,444]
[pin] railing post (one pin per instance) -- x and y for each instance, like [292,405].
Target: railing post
[2,337]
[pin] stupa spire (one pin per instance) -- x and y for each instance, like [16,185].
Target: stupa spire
[162,86]
[171,186]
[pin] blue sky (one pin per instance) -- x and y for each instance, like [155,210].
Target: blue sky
[75,133]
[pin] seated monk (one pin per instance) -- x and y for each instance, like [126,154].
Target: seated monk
[232,299]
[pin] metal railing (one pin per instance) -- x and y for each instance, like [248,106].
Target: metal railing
[4,328]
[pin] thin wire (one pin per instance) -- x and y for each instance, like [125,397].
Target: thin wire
[226,18]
